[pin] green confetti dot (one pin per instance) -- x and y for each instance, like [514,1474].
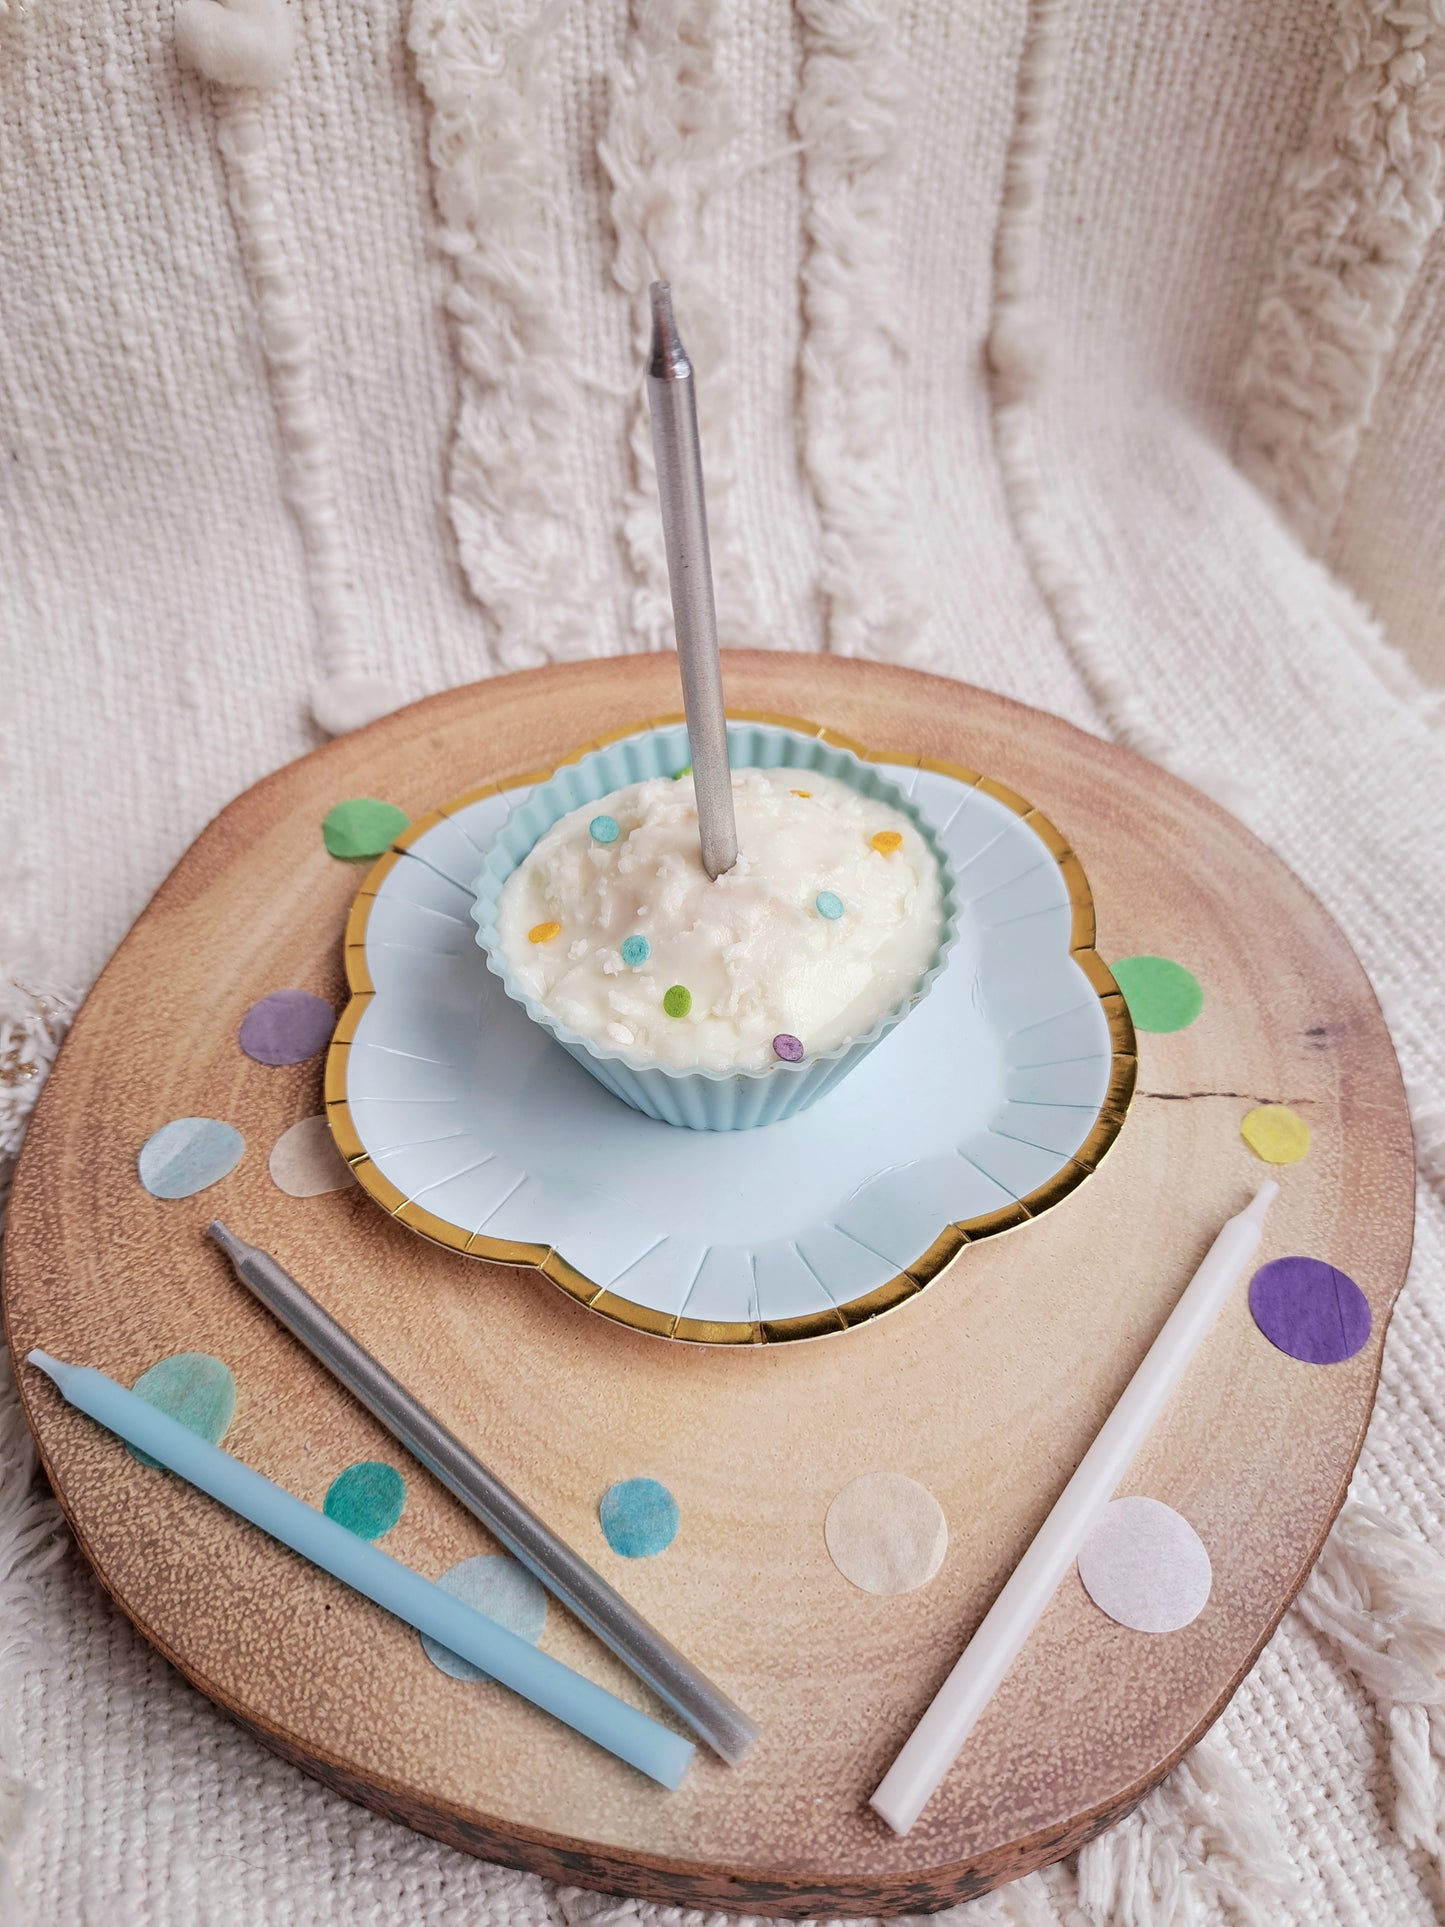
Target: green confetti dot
[686,770]
[678,1001]
[1161,995]
[193,1388]
[367,1499]
[362,827]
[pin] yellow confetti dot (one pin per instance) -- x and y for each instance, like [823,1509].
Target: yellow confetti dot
[887,841]
[1276,1133]
[800,792]
[543,932]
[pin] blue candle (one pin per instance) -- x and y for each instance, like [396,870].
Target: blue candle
[652,1748]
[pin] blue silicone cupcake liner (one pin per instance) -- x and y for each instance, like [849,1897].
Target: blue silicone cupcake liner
[699,1099]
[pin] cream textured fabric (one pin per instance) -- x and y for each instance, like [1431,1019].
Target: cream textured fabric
[1056,344]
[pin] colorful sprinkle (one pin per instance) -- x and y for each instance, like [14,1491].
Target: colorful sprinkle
[828,905]
[187,1155]
[1276,1133]
[362,827]
[686,770]
[367,1499]
[1308,1309]
[788,1047]
[800,792]
[885,842]
[639,1518]
[1161,995]
[635,951]
[543,932]
[287,1027]
[678,1001]
[497,1586]
[193,1388]
[603,829]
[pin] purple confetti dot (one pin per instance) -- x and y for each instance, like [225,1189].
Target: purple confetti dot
[1308,1309]
[788,1047]
[287,1027]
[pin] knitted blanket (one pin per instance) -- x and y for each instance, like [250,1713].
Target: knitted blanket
[1083,351]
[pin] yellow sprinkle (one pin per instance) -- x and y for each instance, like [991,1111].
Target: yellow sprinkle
[800,792]
[887,841]
[543,932]
[1276,1133]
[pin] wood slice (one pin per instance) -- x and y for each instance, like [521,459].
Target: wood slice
[987,1388]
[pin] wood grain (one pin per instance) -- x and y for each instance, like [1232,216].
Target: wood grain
[987,1388]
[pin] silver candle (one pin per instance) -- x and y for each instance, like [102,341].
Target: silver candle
[706,1709]
[671,394]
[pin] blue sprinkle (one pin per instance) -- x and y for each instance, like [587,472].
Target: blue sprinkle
[497,1586]
[603,829]
[187,1155]
[635,951]
[639,1518]
[829,906]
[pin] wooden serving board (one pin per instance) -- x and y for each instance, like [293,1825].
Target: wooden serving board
[986,1388]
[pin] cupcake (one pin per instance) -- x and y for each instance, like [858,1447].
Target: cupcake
[729,1002]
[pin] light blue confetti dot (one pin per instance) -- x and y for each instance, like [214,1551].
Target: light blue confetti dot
[367,1499]
[193,1388]
[829,906]
[603,829]
[187,1155]
[497,1586]
[635,951]
[639,1518]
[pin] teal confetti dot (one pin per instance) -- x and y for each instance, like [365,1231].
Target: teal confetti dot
[635,951]
[639,1518]
[193,1388]
[497,1586]
[367,1499]
[677,1002]
[187,1155]
[603,829]
[828,905]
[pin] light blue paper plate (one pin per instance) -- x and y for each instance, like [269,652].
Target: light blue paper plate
[699,1100]
[989,1105]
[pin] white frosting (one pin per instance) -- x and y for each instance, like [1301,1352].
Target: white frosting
[752,948]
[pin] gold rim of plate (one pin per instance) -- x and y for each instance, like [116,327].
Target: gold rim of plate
[952,1238]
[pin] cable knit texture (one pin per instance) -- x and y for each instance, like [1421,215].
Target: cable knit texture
[990,306]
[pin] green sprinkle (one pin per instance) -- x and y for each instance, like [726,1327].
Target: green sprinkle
[603,829]
[829,906]
[678,1001]
[686,770]
[362,827]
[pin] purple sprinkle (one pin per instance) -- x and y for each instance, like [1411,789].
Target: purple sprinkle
[287,1027]
[1308,1309]
[788,1047]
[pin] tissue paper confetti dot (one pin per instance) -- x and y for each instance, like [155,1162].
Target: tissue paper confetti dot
[494,1584]
[1308,1309]
[639,1518]
[1145,1566]
[193,1388]
[1161,995]
[886,1533]
[367,1499]
[362,827]
[187,1155]
[1276,1133]
[287,1027]
[305,1162]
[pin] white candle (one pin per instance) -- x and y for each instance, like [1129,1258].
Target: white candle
[934,1743]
